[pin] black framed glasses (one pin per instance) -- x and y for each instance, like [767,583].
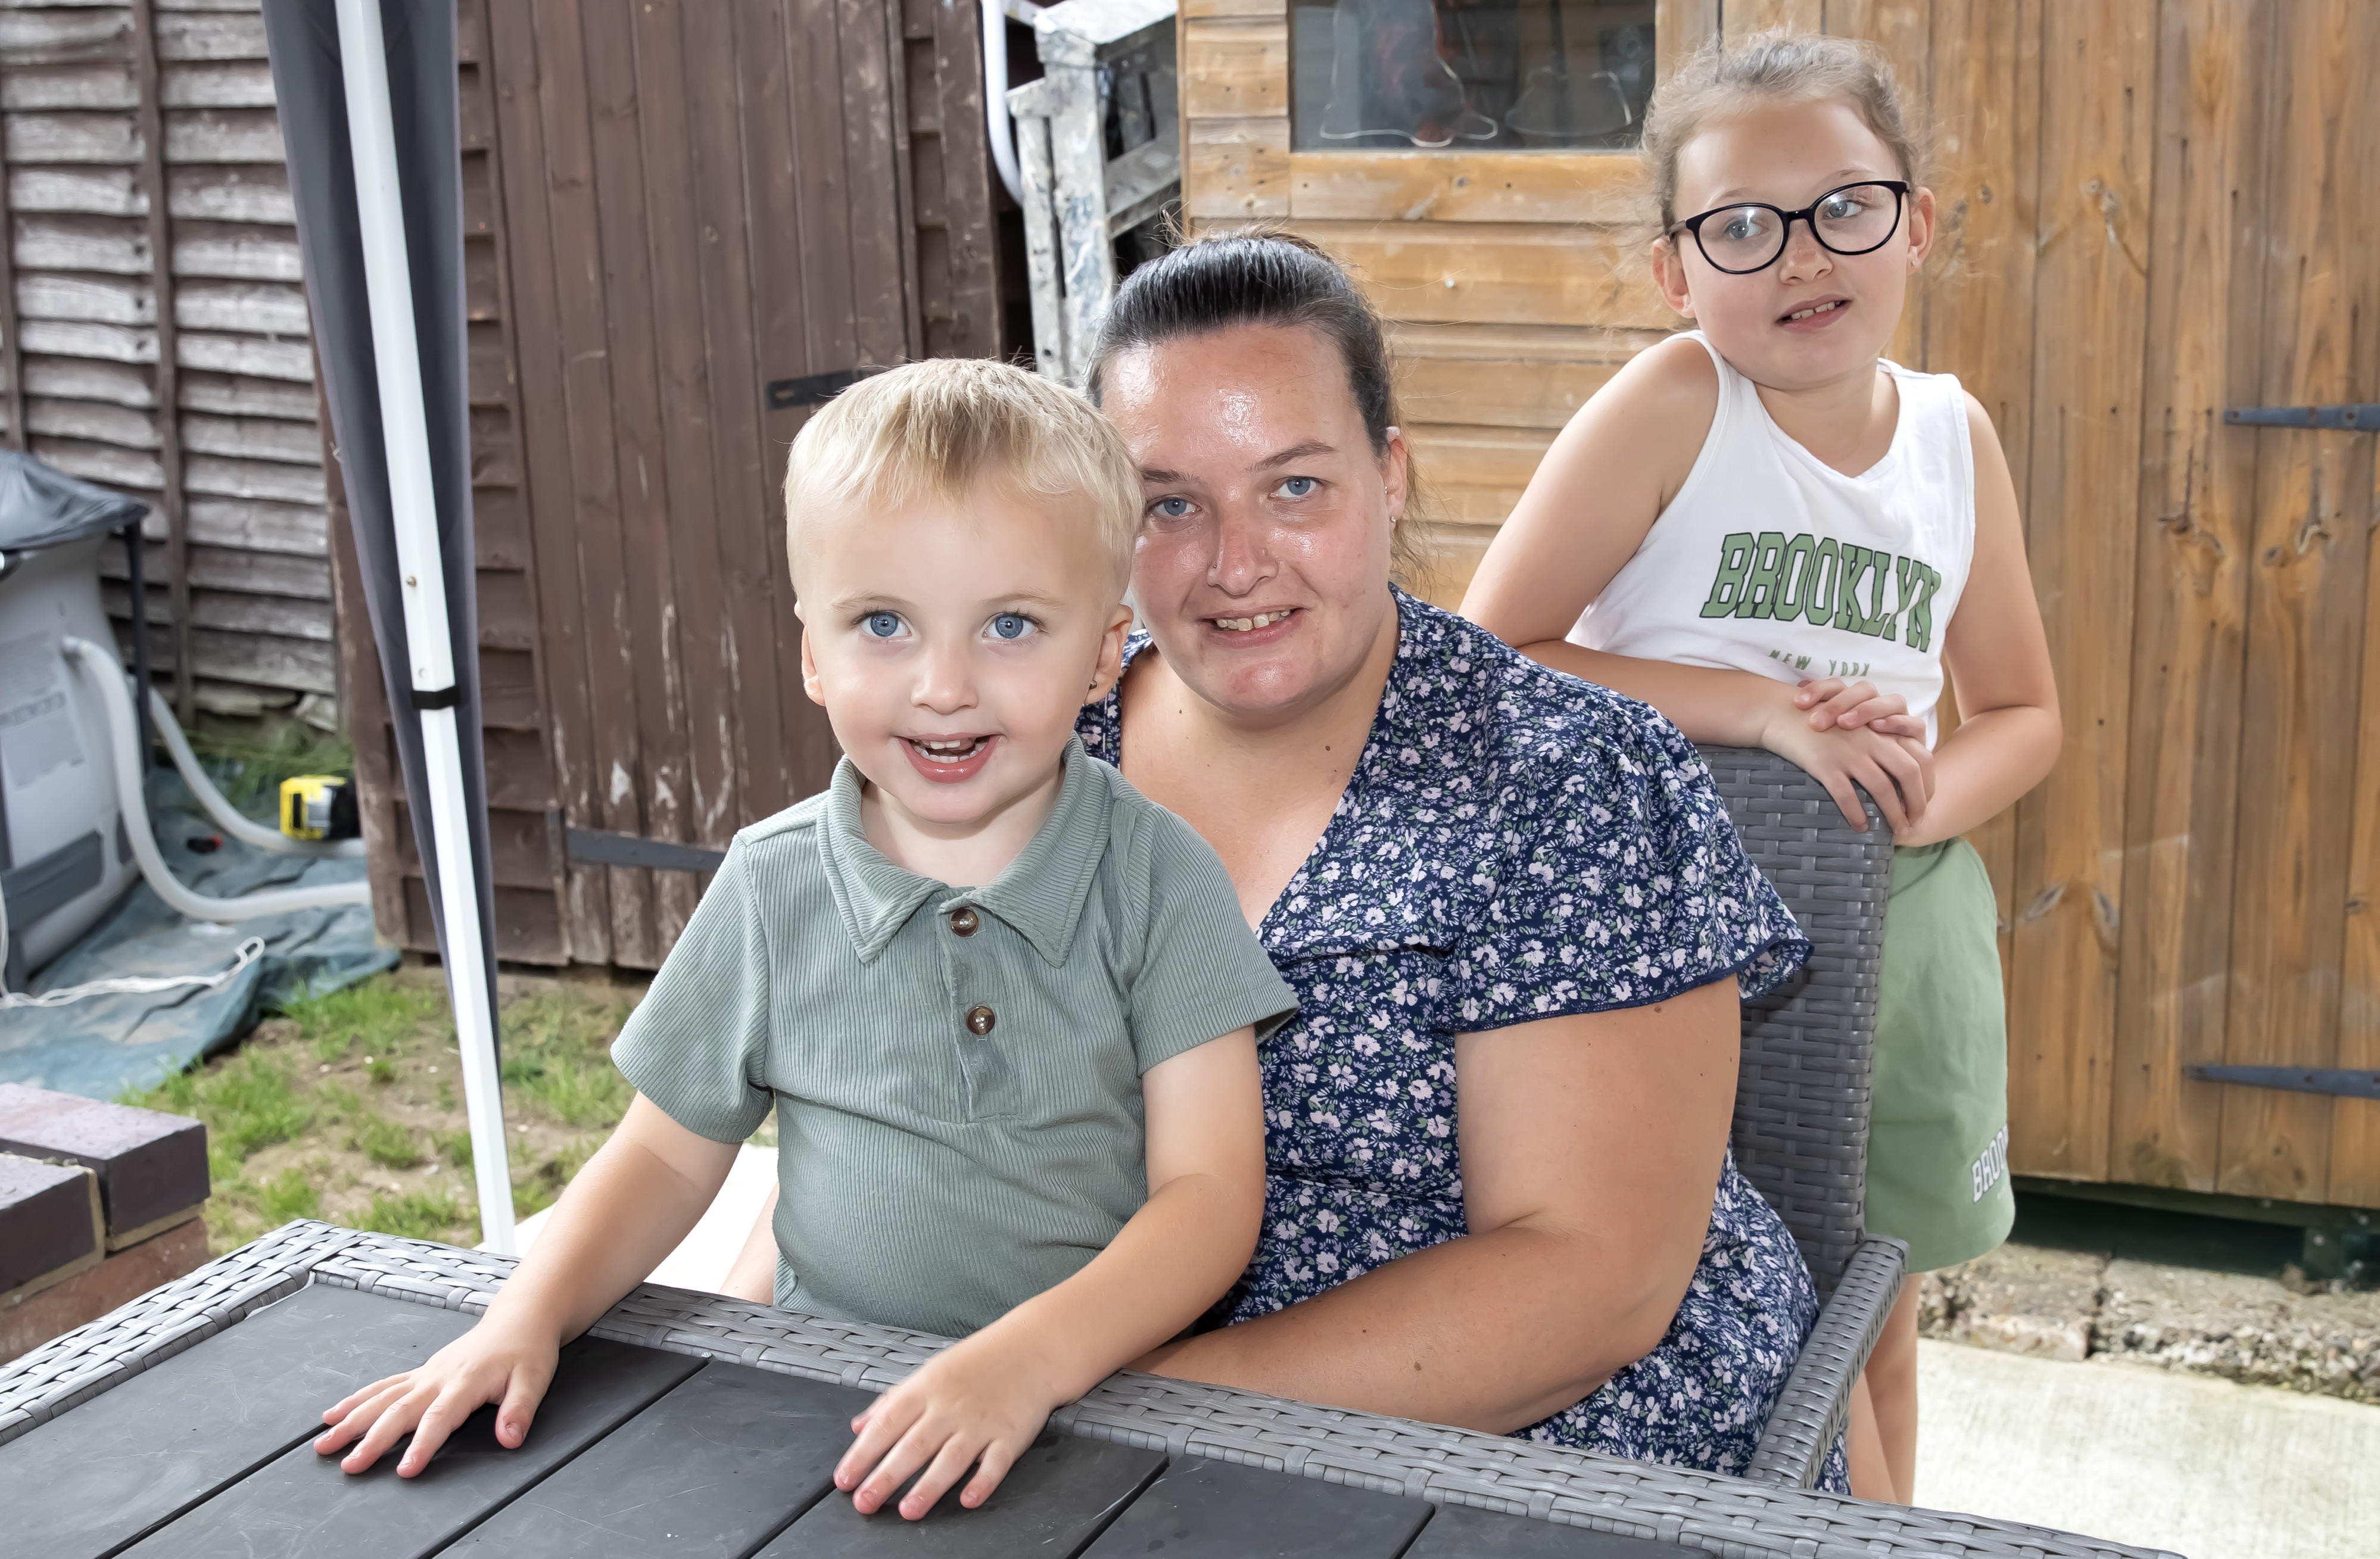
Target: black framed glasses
[1849,219]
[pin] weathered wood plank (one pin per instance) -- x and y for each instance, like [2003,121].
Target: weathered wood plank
[1680,26]
[106,463]
[80,243]
[2097,141]
[255,356]
[70,338]
[1236,169]
[63,36]
[233,568]
[90,191]
[1504,376]
[1601,188]
[2309,549]
[1234,70]
[2197,495]
[645,184]
[80,88]
[242,192]
[233,251]
[210,35]
[233,611]
[1978,303]
[48,295]
[82,380]
[223,135]
[261,308]
[259,659]
[253,478]
[226,84]
[260,527]
[119,426]
[71,138]
[227,395]
[1497,274]
[254,437]
[1201,10]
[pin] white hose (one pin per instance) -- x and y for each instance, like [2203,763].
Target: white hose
[105,673]
[236,823]
[995,98]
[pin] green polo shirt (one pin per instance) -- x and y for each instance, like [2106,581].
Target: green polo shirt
[956,1070]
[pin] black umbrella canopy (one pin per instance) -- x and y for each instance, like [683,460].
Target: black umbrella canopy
[380,222]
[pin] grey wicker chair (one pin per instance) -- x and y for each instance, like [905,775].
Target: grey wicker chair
[1801,1095]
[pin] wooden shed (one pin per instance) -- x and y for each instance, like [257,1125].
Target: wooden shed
[687,221]
[2155,213]
[154,335]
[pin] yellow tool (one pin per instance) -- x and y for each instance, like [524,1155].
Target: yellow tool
[319,806]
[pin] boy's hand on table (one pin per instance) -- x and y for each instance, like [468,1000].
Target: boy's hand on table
[977,1401]
[510,1366]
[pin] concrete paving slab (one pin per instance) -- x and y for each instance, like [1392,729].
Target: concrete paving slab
[2197,1467]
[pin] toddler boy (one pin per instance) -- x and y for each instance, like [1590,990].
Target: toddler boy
[1004,1007]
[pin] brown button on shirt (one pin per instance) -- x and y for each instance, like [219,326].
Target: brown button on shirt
[956,1070]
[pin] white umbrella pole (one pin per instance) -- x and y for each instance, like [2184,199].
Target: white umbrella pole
[404,429]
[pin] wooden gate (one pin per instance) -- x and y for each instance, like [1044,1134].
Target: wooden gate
[677,213]
[2153,213]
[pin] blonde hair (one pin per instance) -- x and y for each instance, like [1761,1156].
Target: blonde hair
[1782,67]
[941,428]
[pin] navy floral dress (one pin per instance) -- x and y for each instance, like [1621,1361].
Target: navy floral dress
[1515,844]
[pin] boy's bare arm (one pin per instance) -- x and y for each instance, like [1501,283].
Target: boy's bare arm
[988,1397]
[628,1208]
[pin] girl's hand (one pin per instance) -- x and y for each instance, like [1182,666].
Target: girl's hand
[981,1400]
[1896,770]
[511,1365]
[1853,706]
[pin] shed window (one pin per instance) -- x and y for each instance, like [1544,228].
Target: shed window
[1470,75]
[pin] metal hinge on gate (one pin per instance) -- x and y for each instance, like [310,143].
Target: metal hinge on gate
[2334,1082]
[2364,418]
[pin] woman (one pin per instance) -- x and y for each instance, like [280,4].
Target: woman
[1491,886]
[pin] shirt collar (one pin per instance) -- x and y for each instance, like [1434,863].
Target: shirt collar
[1041,895]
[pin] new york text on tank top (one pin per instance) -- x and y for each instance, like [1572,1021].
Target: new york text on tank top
[1826,583]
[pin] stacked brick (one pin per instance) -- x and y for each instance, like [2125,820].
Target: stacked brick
[98,1204]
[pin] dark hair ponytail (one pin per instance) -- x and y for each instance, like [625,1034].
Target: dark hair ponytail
[1262,276]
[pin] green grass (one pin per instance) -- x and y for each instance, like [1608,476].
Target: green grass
[290,1194]
[379,1013]
[558,1060]
[386,1143]
[247,1104]
[414,1215]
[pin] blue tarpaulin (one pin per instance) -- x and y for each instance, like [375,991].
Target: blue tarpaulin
[102,1045]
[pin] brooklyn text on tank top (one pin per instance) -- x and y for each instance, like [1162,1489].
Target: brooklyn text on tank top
[1769,560]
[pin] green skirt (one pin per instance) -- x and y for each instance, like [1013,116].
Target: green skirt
[1937,1132]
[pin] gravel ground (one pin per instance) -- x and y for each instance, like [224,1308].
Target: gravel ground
[2320,1338]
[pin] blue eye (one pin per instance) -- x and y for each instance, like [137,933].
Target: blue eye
[1011,625]
[881,624]
[1296,487]
[1171,507]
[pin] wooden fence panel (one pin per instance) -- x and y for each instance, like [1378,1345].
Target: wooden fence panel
[2307,603]
[155,335]
[2190,632]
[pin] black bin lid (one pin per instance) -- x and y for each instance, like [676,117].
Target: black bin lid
[42,506]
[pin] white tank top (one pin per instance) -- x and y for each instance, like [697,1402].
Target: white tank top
[1771,561]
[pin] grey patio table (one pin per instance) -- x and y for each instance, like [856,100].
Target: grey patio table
[688,1424]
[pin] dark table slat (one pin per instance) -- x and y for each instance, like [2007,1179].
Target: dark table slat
[717,1466]
[301,1503]
[1460,1532]
[1204,1509]
[1054,1502]
[98,1477]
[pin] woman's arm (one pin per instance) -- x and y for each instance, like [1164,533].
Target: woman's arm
[2010,727]
[985,1399]
[1591,1149]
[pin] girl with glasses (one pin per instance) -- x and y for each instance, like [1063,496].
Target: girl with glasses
[1778,538]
